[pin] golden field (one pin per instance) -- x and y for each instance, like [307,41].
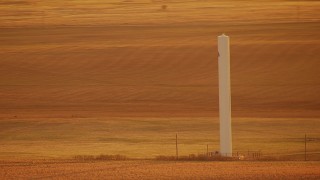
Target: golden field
[91,77]
[150,137]
[122,77]
[132,59]
[159,170]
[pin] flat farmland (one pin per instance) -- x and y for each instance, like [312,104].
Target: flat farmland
[150,137]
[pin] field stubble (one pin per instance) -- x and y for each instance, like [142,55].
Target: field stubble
[160,170]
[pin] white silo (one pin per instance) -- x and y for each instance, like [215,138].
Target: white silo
[224,96]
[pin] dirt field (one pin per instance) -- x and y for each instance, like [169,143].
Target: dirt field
[160,170]
[122,77]
[92,59]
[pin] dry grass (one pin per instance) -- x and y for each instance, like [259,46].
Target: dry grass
[101,157]
[195,157]
[150,137]
[159,170]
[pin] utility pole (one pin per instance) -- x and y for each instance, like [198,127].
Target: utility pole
[305,147]
[177,155]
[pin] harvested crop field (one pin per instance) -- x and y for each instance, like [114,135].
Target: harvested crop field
[124,76]
[159,170]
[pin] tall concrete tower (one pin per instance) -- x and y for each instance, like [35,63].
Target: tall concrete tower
[224,96]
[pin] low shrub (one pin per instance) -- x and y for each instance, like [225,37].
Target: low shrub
[101,157]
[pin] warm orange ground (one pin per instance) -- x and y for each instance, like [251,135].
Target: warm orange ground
[92,58]
[91,77]
[160,170]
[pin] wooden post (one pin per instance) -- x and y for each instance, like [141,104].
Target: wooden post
[177,155]
[207,150]
[305,147]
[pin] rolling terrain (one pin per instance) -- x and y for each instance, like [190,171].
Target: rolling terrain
[90,77]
